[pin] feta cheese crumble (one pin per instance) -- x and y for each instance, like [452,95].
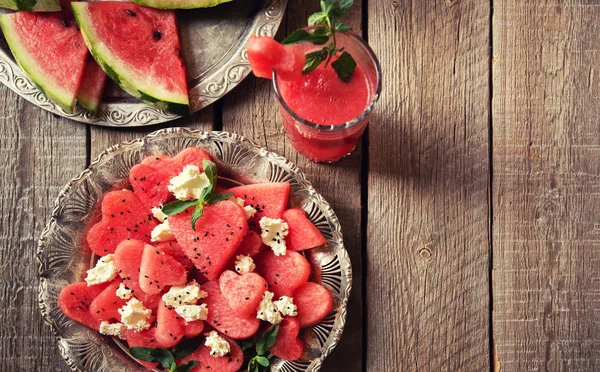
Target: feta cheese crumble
[267,310]
[190,313]
[188,294]
[286,306]
[124,292]
[250,210]
[104,271]
[218,345]
[116,329]
[244,264]
[273,234]
[158,214]
[135,315]
[161,233]
[189,184]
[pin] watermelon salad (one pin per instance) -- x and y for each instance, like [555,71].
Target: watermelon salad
[192,272]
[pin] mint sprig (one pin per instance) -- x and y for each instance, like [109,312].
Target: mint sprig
[261,359]
[328,24]
[208,196]
[167,358]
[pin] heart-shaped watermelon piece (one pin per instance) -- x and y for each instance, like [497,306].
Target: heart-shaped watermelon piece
[170,327]
[242,292]
[226,319]
[173,249]
[106,305]
[269,200]
[314,303]
[302,234]
[193,329]
[124,217]
[219,232]
[288,345]
[283,273]
[231,362]
[75,299]
[158,270]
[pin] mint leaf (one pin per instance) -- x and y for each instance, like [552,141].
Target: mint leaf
[344,66]
[178,206]
[314,59]
[164,357]
[210,169]
[266,340]
[215,198]
[186,347]
[142,353]
[336,8]
[340,27]
[197,214]
[187,367]
[302,36]
[246,344]
[262,361]
[319,18]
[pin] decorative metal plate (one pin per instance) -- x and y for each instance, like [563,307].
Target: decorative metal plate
[62,260]
[214,46]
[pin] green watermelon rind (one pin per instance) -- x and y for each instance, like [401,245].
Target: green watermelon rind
[178,4]
[63,98]
[31,5]
[89,102]
[125,77]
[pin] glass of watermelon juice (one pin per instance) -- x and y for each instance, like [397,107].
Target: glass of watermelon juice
[323,116]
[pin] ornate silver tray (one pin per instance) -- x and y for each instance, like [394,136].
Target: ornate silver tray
[214,46]
[61,259]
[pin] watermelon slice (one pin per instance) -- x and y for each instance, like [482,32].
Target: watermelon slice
[173,249]
[123,217]
[231,362]
[269,199]
[314,302]
[145,338]
[50,50]
[170,327]
[31,6]
[283,273]
[302,234]
[139,49]
[159,270]
[251,245]
[106,305]
[266,55]
[242,292]
[92,86]
[75,299]
[180,4]
[225,319]
[193,329]
[218,234]
[288,345]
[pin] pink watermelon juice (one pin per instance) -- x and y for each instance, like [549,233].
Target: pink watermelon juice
[323,116]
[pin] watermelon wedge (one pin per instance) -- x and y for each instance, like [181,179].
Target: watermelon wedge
[75,299]
[314,303]
[231,362]
[31,6]
[180,4]
[139,49]
[266,55]
[106,305]
[50,50]
[302,233]
[158,270]
[284,274]
[269,199]
[92,86]
[288,345]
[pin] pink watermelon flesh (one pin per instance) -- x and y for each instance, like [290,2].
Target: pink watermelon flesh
[193,329]
[219,232]
[288,345]
[314,303]
[266,55]
[242,292]
[124,217]
[92,85]
[170,327]
[173,249]
[145,338]
[128,259]
[269,200]
[251,245]
[292,65]
[106,305]
[283,273]
[51,50]
[75,299]
[159,270]
[231,362]
[302,234]
[225,319]
[151,178]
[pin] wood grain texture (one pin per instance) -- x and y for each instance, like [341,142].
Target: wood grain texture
[252,110]
[427,233]
[546,193]
[40,153]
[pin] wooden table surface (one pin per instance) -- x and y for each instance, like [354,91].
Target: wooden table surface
[471,210]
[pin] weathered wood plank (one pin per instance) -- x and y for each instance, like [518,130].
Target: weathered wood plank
[40,153]
[251,110]
[427,234]
[546,189]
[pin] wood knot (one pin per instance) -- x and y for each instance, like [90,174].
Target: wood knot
[425,254]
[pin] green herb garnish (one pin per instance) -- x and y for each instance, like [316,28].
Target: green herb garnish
[167,358]
[261,359]
[208,196]
[328,24]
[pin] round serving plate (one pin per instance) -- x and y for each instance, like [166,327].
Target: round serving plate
[62,260]
[214,48]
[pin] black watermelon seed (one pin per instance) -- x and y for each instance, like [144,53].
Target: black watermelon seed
[130,12]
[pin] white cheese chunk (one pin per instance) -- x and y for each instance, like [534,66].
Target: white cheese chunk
[161,233]
[250,210]
[190,313]
[267,310]
[115,329]
[124,292]
[244,264]
[158,214]
[273,234]
[188,294]
[104,271]
[286,306]
[218,345]
[189,184]
[135,315]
